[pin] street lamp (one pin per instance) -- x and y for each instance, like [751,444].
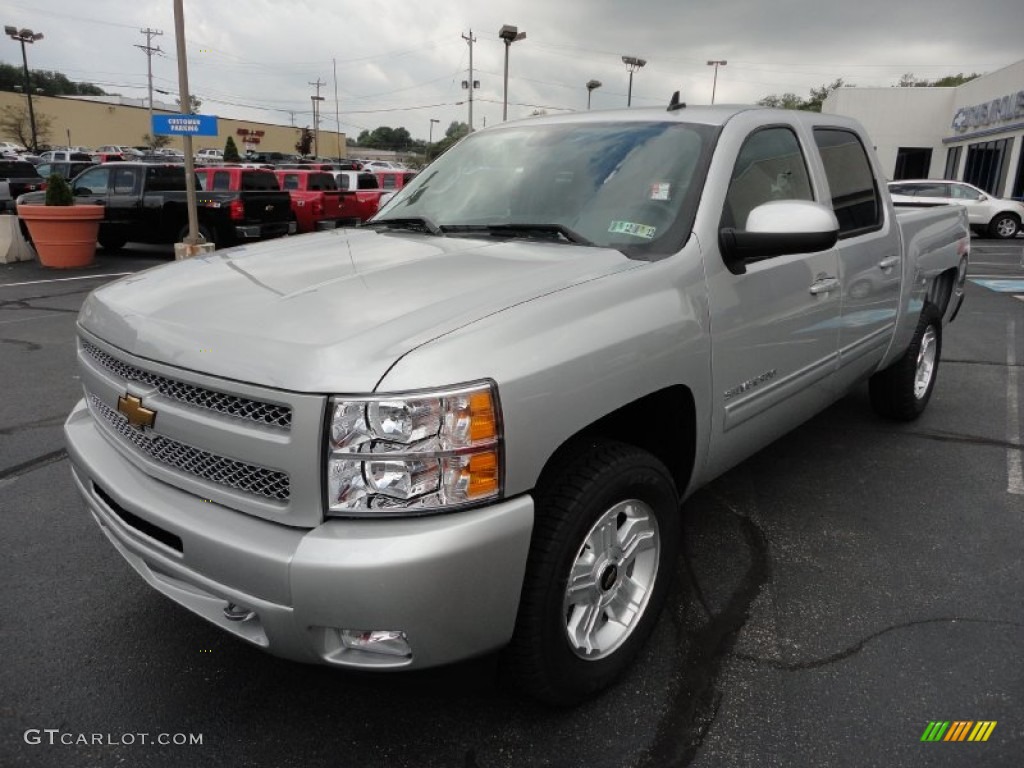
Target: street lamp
[591,85]
[26,36]
[510,35]
[632,64]
[715,63]
[430,140]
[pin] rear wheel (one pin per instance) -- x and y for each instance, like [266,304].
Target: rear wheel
[112,242]
[605,540]
[205,233]
[1004,226]
[901,392]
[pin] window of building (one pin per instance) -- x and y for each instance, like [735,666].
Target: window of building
[952,162]
[855,198]
[1018,184]
[986,165]
[912,163]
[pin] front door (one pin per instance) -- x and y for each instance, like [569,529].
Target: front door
[774,328]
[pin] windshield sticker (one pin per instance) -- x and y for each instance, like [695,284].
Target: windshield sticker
[661,190]
[629,228]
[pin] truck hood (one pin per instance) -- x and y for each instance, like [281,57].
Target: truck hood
[328,312]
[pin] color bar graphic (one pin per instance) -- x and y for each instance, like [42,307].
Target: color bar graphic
[958,730]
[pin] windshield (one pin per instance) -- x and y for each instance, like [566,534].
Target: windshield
[633,186]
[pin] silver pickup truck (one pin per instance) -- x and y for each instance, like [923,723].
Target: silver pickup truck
[470,425]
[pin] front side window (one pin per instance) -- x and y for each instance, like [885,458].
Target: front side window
[770,166]
[855,198]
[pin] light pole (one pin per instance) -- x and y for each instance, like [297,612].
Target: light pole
[632,64]
[26,36]
[714,84]
[591,85]
[510,35]
[430,137]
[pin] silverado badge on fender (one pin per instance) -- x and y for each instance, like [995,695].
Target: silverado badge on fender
[137,416]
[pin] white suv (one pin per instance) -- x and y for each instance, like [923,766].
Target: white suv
[991,215]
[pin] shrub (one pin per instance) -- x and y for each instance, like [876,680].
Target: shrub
[58,192]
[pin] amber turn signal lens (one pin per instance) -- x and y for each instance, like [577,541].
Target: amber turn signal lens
[483,474]
[482,425]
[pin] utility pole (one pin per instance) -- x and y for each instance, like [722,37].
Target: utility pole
[471,83]
[316,116]
[149,50]
[192,239]
[337,118]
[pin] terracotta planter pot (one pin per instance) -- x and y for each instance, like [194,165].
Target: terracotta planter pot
[64,236]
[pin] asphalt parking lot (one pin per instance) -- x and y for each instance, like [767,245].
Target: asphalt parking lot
[839,591]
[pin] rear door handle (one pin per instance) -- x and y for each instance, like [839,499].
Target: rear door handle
[824,285]
[889,262]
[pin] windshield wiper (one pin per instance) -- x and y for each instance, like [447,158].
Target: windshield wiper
[415,223]
[520,230]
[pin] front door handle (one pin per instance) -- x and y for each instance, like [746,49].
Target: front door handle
[889,262]
[824,285]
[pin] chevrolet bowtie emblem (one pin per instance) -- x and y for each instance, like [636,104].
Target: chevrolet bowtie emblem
[137,416]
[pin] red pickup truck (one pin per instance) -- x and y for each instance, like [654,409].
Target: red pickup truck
[316,201]
[362,193]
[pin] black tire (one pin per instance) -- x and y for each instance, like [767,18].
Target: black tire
[204,232]
[630,490]
[896,392]
[112,242]
[1004,226]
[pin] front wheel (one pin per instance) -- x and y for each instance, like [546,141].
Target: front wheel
[901,392]
[605,540]
[1004,226]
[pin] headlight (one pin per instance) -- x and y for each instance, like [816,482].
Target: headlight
[414,453]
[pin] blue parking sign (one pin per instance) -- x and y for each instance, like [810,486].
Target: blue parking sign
[184,125]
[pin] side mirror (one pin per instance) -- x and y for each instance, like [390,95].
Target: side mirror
[777,228]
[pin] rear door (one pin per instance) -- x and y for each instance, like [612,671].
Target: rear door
[124,201]
[870,256]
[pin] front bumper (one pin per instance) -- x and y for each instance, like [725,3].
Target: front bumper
[451,583]
[265,230]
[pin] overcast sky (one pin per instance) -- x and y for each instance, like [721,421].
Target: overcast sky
[401,63]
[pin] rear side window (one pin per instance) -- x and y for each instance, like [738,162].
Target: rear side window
[165,179]
[18,171]
[322,181]
[770,167]
[123,181]
[259,180]
[290,181]
[221,180]
[855,198]
[388,181]
[343,181]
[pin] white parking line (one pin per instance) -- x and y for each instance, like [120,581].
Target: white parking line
[66,279]
[1014,471]
[51,316]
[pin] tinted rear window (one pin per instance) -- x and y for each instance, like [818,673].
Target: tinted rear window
[322,181]
[368,181]
[259,180]
[165,179]
[18,170]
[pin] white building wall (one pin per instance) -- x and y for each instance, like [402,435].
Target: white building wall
[899,117]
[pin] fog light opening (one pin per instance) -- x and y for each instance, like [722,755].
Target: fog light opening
[234,612]
[385,642]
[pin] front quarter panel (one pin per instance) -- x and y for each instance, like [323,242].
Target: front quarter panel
[568,358]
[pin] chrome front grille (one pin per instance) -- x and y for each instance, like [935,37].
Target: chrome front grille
[257,411]
[248,478]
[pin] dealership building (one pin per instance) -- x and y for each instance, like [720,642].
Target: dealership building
[973,132]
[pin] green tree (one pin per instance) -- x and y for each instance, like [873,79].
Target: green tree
[811,104]
[155,142]
[949,81]
[194,104]
[49,83]
[14,122]
[304,146]
[231,151]
[456,131]
[385,137]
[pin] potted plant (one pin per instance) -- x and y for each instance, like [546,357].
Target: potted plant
[63,233]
